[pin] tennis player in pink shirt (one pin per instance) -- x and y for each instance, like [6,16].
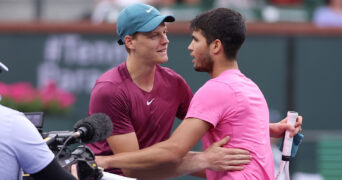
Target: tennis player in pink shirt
[234,106]
[230,103]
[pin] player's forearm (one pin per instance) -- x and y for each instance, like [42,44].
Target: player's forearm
[151,157]
[170,151]
[192,163]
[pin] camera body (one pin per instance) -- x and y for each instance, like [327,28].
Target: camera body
[68,150]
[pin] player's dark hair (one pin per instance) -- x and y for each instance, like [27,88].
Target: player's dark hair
[223,24]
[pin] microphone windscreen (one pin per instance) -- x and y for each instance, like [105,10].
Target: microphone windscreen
[99,127]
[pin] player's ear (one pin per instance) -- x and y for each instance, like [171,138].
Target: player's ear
[129,42]
[216,46]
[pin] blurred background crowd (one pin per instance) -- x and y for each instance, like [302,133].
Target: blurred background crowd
[321,12]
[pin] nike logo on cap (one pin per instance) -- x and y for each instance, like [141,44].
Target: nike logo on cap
[149,10]
[149,102]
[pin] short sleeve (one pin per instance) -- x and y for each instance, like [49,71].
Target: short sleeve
[111,100]
[211,102]
[31,150]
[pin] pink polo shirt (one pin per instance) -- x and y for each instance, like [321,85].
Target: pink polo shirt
[234,106]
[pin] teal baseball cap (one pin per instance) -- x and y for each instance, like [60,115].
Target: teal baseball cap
[139,18]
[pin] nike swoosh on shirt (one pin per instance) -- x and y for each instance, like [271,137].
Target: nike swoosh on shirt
[149,102]
[149,10]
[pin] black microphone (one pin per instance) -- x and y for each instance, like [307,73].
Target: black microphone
[93,128]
